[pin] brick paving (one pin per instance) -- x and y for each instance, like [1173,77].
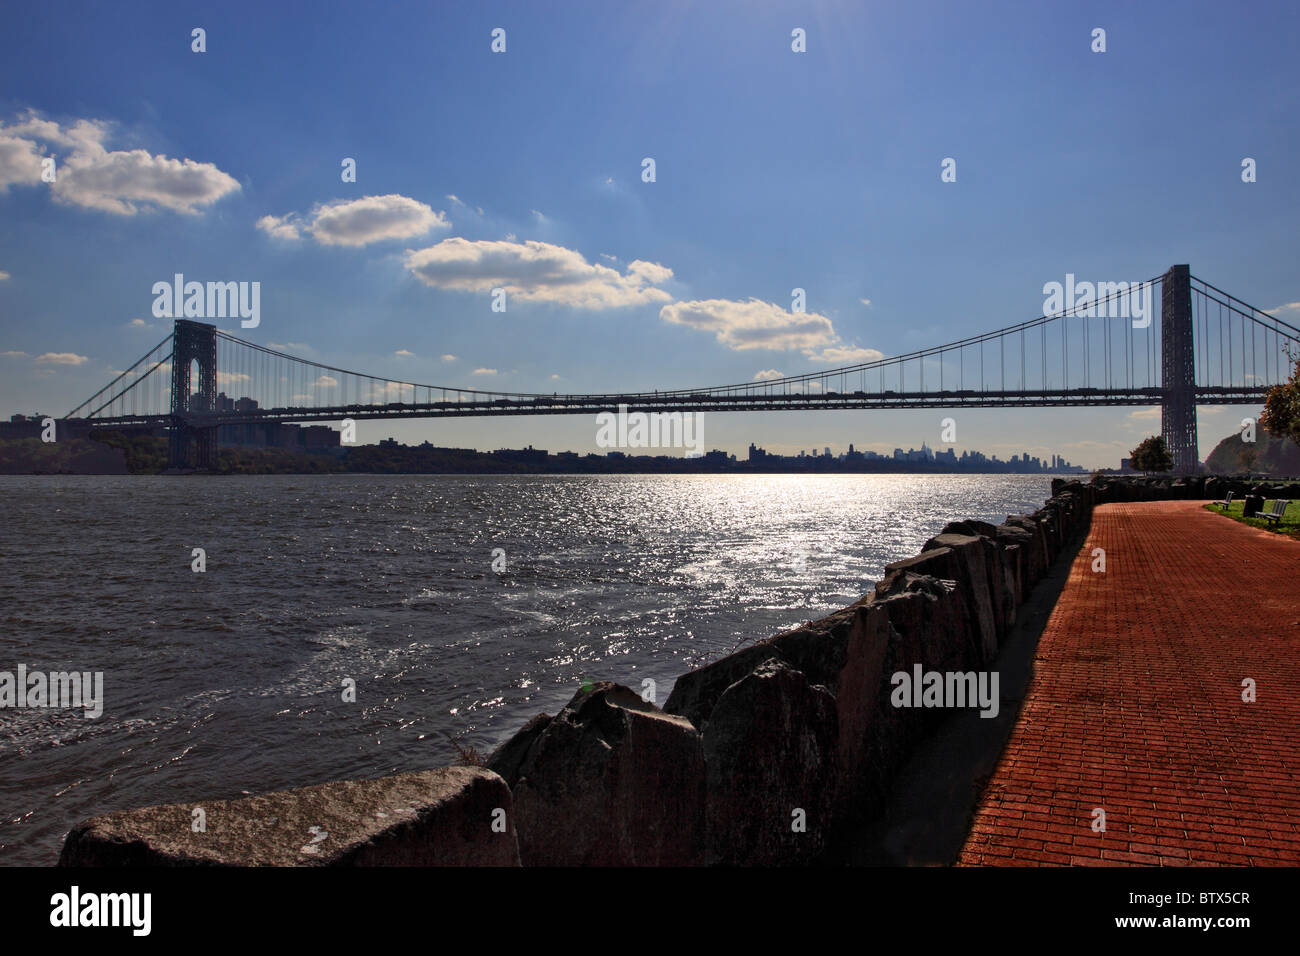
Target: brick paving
[1136,704]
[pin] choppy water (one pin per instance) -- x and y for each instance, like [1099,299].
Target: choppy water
[230,681]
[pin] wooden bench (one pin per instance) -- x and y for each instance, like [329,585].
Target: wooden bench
[1225,502]
[1279,509]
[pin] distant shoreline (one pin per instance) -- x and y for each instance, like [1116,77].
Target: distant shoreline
[115,453]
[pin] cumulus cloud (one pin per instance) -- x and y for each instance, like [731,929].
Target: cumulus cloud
[1289,307]
[449,357]
[90,175]
[845,355]
[325,381]
[13,355]
[358,222]
[865,301]
[20,160]
[374,219]
[536,271]
[404,353]
[767,374]
[61,358]
[280,227]
[753,324]
[4,276]
[485,371]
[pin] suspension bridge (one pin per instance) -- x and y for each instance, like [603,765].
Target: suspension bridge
[1205,348]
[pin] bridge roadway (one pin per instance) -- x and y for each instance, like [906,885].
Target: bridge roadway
[499,404]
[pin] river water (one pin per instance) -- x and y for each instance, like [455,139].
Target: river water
[231,681]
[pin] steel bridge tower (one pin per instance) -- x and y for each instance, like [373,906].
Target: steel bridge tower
[1177,371]
[191,446]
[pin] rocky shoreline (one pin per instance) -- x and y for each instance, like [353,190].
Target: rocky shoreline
[765,757]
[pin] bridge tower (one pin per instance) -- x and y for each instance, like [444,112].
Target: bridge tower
[1177,372]
[191,446]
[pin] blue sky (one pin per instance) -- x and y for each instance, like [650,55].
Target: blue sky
[774,170]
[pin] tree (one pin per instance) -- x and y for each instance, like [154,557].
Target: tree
[1151,455]
[1246,459]
[1282,404]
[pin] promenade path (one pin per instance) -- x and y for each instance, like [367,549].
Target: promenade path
[1136,704]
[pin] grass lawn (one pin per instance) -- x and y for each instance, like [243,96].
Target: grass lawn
[1289,525]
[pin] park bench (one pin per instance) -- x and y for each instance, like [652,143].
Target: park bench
[1225,502]
[1279,509]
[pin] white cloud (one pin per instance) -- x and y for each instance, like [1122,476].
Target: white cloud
[325,381]
[117,181]
[13,355]
[485,371]
[61,358]
[651,273]
[1144,414]
[20,161]
[280,227]
[554,377]
[754,324]
[536,271]
[404,353]
[289,346]
[231,378]
[373,219]
[865,301]
[1289,307]
[4,276]
[767,374]
[449,357]
[358,222]
[845,355]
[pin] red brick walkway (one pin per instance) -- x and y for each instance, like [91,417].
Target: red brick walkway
[1136,704]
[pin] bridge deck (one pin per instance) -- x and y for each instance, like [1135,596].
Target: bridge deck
[1136,704]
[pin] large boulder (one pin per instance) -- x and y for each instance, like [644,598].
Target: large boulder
[695,693]
[843,652]
[846,652]
[610,780]
[963,561]
[981,561]
[1040,556]
[1029,554]
[928,626]
[456,816]
[770,746]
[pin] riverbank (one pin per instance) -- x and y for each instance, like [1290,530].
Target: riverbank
[724,747]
